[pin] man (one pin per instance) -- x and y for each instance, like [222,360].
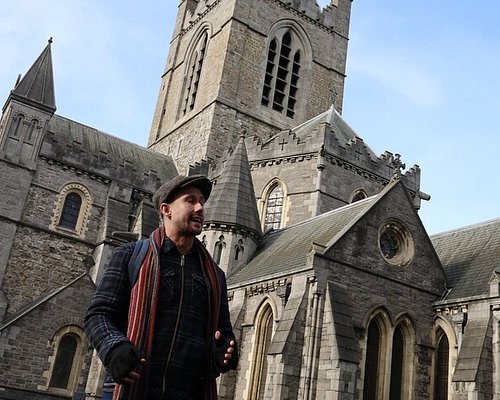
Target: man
[178,337]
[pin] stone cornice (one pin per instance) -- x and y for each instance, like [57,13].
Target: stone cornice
[195,22]
[230,228]
[267,287]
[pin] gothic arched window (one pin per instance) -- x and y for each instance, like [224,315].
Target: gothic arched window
[31,133]
[192,78]
[219,247]
[281,80]
[442,368]
[274,208]
[372,367]
[397,365]
[70,211]
[238,251]
[64,362]
[18,125]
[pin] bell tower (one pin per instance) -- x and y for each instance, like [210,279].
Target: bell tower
[254,66]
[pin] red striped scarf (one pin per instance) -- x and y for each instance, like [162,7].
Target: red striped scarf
[142,313]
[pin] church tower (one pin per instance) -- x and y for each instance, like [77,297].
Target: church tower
[254,66]
[25,116]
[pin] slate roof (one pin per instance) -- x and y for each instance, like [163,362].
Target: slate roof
[37,86]
[469,256]
[91,150]
[233,197]
[286,250]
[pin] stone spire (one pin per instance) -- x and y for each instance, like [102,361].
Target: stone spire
[37,86]
[232,201]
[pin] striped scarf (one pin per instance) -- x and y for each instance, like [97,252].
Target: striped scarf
[143,307]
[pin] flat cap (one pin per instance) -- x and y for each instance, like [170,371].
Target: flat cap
[167,191]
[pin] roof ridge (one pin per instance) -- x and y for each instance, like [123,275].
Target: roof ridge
[467,227]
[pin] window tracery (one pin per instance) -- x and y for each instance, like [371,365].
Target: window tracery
[194,73]
[283,72]
[274,207]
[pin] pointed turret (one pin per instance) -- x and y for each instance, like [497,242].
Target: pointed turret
[25,115]
[37,86]
[233,198]
[232,222]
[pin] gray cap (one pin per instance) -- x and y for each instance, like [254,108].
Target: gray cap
[167,191]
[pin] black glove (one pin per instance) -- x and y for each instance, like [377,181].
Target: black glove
[220,350]
[122,360]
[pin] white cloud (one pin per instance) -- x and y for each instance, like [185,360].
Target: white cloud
[400,75]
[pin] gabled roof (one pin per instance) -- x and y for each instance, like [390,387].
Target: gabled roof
[287,250]
[469,255]
[232,201]
[37,86]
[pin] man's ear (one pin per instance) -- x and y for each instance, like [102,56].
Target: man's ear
[165,209]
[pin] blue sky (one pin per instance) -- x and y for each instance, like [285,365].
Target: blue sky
[422,81]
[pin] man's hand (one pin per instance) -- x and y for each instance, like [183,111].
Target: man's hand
[123,362]
[226,352]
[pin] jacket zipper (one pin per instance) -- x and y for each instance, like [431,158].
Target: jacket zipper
[179,308]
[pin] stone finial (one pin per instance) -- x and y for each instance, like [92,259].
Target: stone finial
[397,165]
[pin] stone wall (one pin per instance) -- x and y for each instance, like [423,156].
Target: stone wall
[232,77]
[40,262]
[26,345]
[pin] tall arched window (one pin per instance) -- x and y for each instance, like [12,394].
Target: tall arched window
[70,211]
[282,77]
[397,363]
[18,124]
[238,251]
[263,335]
[66,361]
[372,367]
[63,364]
[219,247]
[193,74]
[30,136]
[442,368]
[274,208]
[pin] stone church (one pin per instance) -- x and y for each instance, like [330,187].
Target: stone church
[336,290]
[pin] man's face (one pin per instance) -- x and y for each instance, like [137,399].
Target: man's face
[184,215]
